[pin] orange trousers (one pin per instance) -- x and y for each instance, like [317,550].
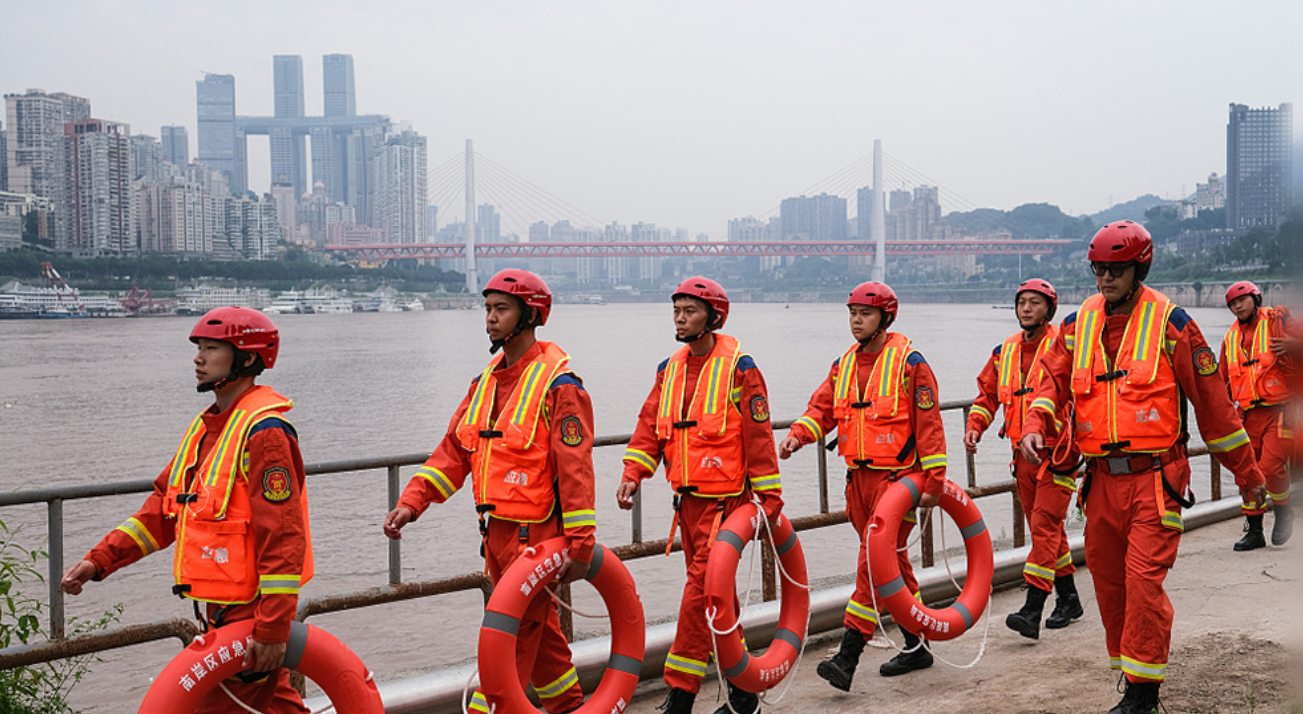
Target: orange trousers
[864,487]
[685,665]
[1045,498]
[1271,438]
[542,653]
[1133,530]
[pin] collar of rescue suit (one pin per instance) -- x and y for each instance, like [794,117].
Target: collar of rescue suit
[215,421]
[514,370]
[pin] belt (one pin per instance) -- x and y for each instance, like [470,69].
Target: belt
[1120,465]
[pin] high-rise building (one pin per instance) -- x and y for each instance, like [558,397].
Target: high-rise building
[176,217]
[1209,196]
[218,144]
[146,158]
[821,217]
[4,159]
[749,229]
[432,222]
[98,217]
[337,81]
[288,148]
[863,212]
[399,188]
[915,216]
[488,224]
[34,141]
[75,109]
[251,227]
[1259,166]
[176,145]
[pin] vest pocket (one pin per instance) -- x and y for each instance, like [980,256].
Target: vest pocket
[216,561]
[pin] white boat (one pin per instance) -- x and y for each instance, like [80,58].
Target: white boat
[309,302]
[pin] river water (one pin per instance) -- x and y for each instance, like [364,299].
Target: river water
[85,401]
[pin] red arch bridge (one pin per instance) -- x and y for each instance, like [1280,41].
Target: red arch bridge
[703,249]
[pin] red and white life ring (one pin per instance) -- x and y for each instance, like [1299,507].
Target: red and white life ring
[946,623]
[527,579]
[217,655]
[755,673]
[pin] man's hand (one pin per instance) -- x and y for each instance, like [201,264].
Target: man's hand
[77,576]
[790,445]
[624,494]
[570,570]
[1255,496]
[264,656]
[1030,445]
[971,437]
[1286,345]
[394,523]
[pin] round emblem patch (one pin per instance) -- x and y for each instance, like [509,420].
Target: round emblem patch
[759,408]
[276,484]
[1204,361]
[572,431]
[924,398]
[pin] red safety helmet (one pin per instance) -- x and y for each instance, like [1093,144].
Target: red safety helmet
[879,295]
[1036,285]
[1122,242]
[1242,288]
[525,286]
[245,328]
[709,292]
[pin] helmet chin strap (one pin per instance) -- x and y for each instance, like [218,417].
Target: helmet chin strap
[495,345]
[219,383]
[714,317]
[1115,304]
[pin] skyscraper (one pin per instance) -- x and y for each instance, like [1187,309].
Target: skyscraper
[399,188]
[34,124]
[176,145]
[821,217]
[218,148]
[337,80]
[1259,170]
[288,149]
[98,216]
[146,158]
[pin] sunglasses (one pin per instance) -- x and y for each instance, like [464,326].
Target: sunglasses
[1114,269]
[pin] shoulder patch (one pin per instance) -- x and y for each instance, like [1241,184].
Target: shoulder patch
[745,363]
[274,423]
[915,358]
[276,484]
[1205,363]
[924,398]
[572,431]
[477,379]
[661,367]
[1179,319]
[759,408]
[996,352]
[1070,319]
[569,378]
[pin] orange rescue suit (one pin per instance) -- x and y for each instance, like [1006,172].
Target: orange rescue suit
[1256,375]
[214,556]
[874,427]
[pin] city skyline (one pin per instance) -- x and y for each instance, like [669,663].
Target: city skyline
[698,126]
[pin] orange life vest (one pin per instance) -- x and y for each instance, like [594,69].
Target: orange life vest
[215,555]
[1257,378]
[704,449]
[874,428]
[1130,402]
[1015,389]
[511,474]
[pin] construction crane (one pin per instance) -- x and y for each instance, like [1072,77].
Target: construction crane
[139,302]
[62,288]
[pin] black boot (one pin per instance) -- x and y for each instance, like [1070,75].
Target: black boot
[1253,538]
[840,669]
[1027,621]
[679,701]
[916,657]
[1138,699]
[1067,604]
[740,701]
[1283,527]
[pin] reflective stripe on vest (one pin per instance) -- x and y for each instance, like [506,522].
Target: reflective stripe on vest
[510,469]
[703,443]
[1256,377]
[1012,380]
[215,554]
[874,430]
[1131,403]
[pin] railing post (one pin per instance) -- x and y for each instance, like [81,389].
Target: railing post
[970,460]
[55,548]
[395,546]
[1215,476]
[822,458]
[635,517]
[769,574]
[1019,526]
[926,545]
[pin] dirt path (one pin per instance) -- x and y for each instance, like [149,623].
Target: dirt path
[1227,657]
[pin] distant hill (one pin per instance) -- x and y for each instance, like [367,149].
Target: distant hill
[1131,210]
[1028,221]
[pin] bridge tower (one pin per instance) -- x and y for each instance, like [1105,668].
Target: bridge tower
[878,219]
[472,274]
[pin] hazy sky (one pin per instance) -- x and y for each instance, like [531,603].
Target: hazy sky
[688,113]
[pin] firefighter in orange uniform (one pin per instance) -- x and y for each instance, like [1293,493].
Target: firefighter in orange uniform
[1257,367]
[1008,380]
[881,396]
[255,481]
[1127,360]
[523,433]
[707,418]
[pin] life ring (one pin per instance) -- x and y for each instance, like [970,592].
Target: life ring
[946,623]
[755,673]
[217,655]
[527,579]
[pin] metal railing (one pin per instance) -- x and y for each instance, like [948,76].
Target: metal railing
[58,646]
